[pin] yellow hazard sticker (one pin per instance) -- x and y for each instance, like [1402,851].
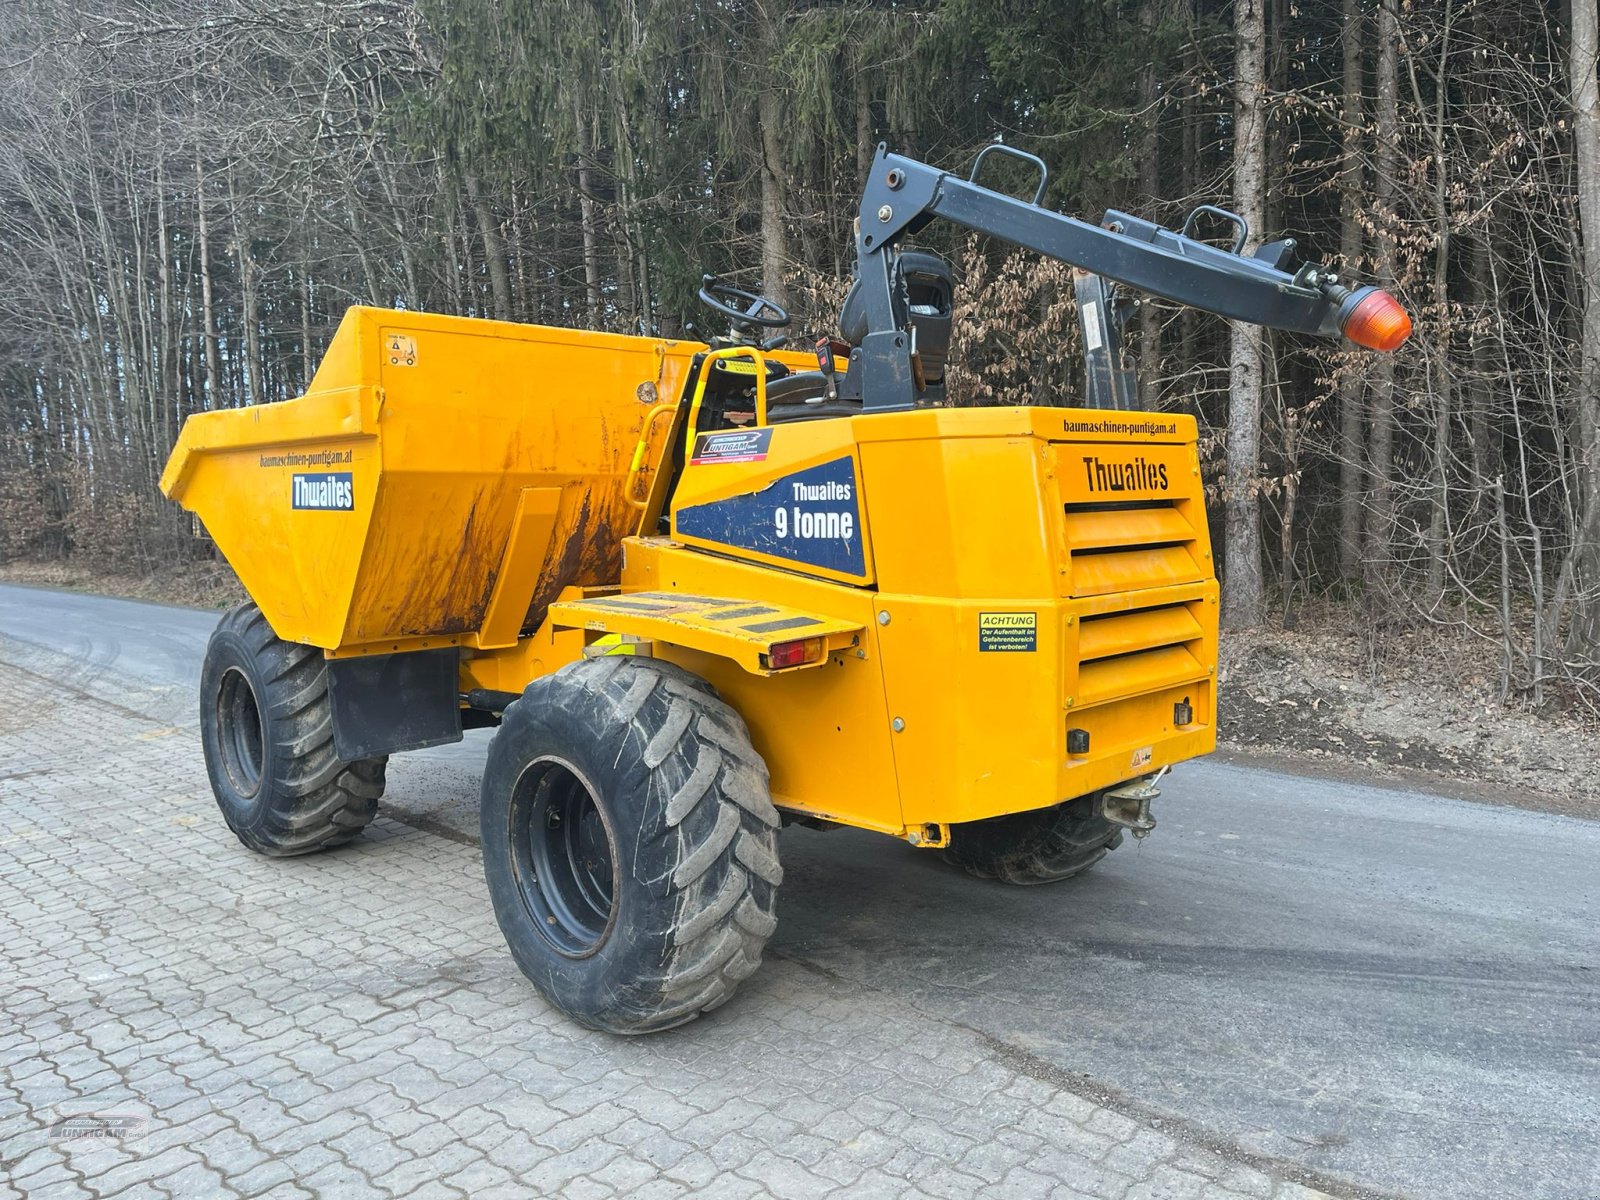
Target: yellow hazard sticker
[737,366]
[402,350]
[1008,631]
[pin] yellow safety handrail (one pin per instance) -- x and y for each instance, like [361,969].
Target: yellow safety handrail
[636,467]
[751,352]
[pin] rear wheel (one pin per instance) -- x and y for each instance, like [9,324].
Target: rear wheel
[629,843]
[267,729]
[1035,847]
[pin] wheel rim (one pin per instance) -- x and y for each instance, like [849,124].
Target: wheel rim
[241,733]
[563,854]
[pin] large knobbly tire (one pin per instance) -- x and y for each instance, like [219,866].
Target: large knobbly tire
[629,843]
[267,728]
[1035,847]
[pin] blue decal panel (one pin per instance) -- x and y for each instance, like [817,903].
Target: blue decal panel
[812,517]
[330,491]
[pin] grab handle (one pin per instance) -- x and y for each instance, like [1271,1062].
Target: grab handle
[1002,148]
[1232,218]
[636,468]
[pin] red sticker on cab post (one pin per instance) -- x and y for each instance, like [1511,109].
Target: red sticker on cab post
[731,446]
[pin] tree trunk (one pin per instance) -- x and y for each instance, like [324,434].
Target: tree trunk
[1291,499]
[250,318]
[1352,478]
[453,264]
[1441,368]
[1380,429]
[1480,393]
[494,250]
[587,217]
[167,351]
[864,145]
[1242,590]
[630,254]
[1583,637]
[1191,116]
[1149,377]
[774,237]
[307,365]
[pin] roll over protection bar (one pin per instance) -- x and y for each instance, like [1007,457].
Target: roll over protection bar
[903,195]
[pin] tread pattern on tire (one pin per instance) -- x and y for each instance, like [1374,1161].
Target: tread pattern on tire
[715,818]
[1037,847]
[727,870]
[315,801]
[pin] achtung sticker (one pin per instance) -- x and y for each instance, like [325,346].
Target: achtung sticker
[1141,757]
[1008,631]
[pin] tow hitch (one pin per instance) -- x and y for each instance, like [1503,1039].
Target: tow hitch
[1129,805]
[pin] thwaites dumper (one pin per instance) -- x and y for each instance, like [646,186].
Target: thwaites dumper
[707,590]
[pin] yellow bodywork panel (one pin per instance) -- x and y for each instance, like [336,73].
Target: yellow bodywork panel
[991,631]
[742,631]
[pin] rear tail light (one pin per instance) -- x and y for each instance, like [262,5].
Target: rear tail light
[794,654]
[1375,320]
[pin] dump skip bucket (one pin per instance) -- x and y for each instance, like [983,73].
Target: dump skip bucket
[440,482]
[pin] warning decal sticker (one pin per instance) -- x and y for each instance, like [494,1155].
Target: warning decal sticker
[1008,631]
[402,350]
[732,446]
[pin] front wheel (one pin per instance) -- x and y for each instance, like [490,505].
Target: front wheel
[266,725]
[1043,846]
[629,843]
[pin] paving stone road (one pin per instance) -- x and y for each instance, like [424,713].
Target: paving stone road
[349,1024]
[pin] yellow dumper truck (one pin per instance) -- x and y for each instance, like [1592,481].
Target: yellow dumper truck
[705,590]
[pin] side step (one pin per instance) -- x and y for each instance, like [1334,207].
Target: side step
[764,639]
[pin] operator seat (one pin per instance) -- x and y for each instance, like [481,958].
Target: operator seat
[927,279]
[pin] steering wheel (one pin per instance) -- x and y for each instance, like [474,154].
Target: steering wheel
[758,310]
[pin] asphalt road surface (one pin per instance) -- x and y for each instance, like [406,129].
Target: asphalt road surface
[1396,990]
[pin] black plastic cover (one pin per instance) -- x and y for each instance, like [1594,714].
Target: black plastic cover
[386,703]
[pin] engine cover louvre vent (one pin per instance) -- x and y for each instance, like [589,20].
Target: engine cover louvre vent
[1129,546]
[1138,651]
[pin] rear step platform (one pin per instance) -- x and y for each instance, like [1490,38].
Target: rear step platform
[742,630]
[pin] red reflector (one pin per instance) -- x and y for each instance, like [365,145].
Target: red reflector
[793,654]
[1378,322]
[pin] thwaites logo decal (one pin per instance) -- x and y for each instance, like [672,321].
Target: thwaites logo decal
[731,446]
[1124,475]
[812,516]
[330,491]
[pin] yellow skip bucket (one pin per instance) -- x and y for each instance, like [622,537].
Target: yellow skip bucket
[440,482]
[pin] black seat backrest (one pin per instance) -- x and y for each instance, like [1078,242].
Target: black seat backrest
[930,291]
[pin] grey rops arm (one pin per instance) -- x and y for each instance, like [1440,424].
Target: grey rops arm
[903,195]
